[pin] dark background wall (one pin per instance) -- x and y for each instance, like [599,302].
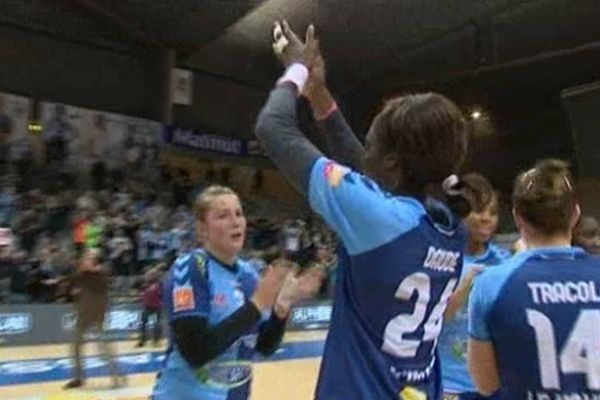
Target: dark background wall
[43,68]
[511,59]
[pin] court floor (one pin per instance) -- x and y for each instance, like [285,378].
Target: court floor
[38,372]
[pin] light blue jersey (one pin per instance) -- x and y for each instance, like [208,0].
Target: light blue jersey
[454,337]
[199,286]
[398,268]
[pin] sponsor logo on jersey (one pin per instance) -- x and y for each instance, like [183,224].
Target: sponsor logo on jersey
[181,273]
[219,300]
[413,375]
[225,375]
[201,263]
[183,298]
[410,393]
[334,173]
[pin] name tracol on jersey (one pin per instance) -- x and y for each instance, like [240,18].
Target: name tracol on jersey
[441,260]
[564,292]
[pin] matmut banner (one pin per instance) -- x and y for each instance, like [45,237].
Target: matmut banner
[194,139]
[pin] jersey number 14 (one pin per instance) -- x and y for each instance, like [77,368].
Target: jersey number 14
[580,353]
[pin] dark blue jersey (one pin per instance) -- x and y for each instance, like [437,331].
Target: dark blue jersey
[541,312]
[395,276]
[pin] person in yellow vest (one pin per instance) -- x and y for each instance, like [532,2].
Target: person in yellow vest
[94,232]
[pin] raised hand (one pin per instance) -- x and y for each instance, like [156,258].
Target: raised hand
[309,283]
[290,49]
[300,286]
[268,288]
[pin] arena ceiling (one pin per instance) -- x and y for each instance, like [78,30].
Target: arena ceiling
[481,51]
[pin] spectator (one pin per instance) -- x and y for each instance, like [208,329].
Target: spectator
[94,231]
[20,279]
[8,205]
[43,219]
[119,249]
[145,243]
[91,291]
[151,301]
[6,129]
[28,226]
[57,213]
[57,135]
[79,227]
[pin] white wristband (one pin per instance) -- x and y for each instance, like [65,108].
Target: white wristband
[297,74]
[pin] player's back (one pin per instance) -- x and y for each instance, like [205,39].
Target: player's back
[396,273]
[543,315]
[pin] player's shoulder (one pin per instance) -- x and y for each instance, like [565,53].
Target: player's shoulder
[336,174]
[195,260]
[183,260]
[499,254]
[491,280]
[246,268]
[590,260]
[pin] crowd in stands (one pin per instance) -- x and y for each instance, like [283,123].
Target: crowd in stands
[140,230]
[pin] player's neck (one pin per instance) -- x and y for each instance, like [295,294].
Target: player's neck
[221,256]
[476,248]
[538,241]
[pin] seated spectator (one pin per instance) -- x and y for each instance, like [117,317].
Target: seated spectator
[21,279]
[8,205]
[119,249]
[28,226]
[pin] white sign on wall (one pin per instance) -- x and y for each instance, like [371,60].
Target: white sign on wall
[181,86]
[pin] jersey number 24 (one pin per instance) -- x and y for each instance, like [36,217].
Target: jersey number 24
[394,340]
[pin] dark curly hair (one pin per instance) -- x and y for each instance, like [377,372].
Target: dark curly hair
[414,143]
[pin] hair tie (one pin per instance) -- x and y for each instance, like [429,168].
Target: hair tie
[526,175]
[529,185]
[568,183]
[451,185]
